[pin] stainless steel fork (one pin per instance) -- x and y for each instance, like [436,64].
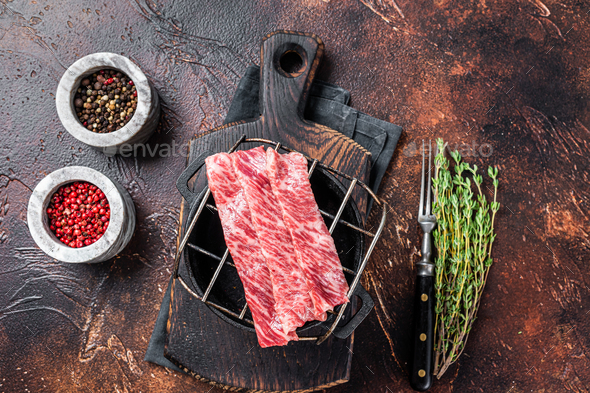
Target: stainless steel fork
[421,373]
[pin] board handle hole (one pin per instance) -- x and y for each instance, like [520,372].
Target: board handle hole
[290,60]
[292,63]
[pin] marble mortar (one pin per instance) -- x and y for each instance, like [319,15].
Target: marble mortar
[145,117]
[116,237]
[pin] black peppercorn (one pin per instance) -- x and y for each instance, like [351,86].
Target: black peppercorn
[106,100]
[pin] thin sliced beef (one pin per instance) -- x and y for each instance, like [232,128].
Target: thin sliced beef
[293,301]
[313,243]
[244,247]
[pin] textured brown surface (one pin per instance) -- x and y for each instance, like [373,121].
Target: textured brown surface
[512,74]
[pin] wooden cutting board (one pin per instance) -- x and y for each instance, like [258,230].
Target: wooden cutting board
[200,342]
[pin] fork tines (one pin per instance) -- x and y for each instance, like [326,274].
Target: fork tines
[421,208]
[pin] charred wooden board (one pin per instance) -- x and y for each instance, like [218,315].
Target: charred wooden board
[197,339]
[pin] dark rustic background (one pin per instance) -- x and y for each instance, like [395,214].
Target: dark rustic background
[511,74]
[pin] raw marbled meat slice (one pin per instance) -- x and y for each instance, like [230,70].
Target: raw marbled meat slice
[293,301]
[242,241]
[313,243]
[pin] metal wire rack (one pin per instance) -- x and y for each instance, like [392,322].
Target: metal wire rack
[354,182]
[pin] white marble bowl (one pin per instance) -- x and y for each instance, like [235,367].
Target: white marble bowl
[145,117]
[115,238]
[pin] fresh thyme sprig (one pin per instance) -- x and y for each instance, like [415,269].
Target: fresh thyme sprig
[463,240]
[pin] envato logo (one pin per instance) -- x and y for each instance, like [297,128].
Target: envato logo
[466,150]
[162,150]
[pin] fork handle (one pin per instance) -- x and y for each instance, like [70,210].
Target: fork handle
[421,375]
